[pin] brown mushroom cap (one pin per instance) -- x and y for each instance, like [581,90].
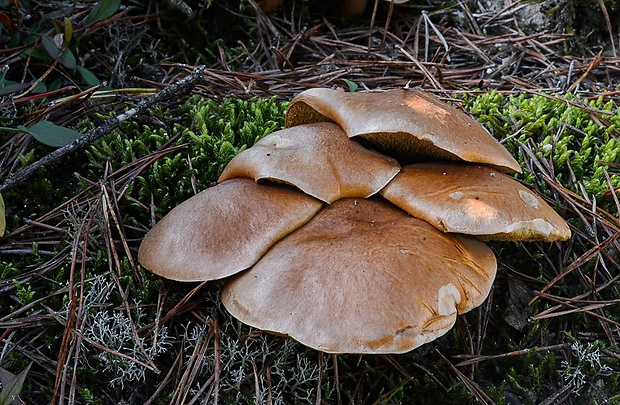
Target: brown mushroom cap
[407,124]
[352,8]
[269,6]
[223,230]
[474,200]
[363,277]
[319,159]
[355,8]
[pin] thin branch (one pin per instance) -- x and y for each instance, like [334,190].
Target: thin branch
[175,89]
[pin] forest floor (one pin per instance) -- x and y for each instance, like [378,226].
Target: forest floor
[165,93]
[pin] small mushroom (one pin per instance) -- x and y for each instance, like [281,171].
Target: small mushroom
[475,200]
[407,124]
[363,277]
[269,6]
[355,8]
[352,8]
[319,159]
[223,230]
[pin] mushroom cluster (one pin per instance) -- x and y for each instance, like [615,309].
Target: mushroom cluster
[359,227]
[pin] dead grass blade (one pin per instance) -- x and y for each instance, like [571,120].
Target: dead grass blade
[477,359]
[473,388]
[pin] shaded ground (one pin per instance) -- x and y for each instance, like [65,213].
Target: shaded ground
[99,329]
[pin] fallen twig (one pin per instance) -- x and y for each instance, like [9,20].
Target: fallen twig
[173,89]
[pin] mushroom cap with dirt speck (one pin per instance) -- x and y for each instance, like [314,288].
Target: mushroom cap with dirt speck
[407,124]
[223,229]
[474,200]
[363,277]
[319,159]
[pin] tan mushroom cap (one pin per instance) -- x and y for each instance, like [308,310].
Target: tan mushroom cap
[319,159]
[407,124]
[474,200]
[223,230]
[363,277]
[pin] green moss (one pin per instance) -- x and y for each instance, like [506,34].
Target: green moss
[213,133]
[25,293]
[530,375]
[565,130]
